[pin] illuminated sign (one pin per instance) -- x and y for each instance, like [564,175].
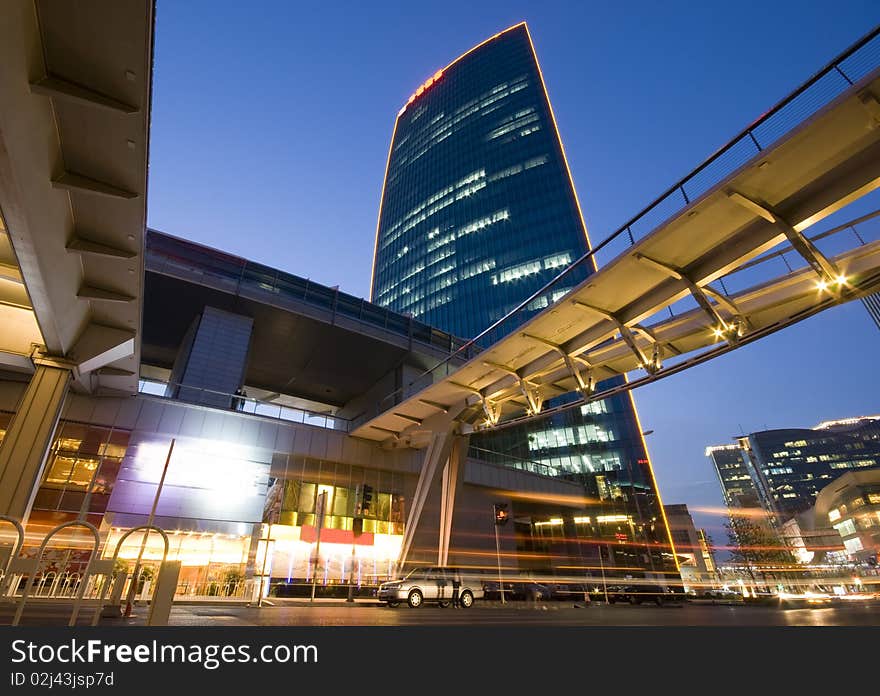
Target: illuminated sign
[421,90]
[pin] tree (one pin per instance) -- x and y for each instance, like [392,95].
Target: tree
[756,546]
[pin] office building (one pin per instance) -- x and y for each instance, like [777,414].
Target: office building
[851,506]
[732,468]
[478,212]
[787,468]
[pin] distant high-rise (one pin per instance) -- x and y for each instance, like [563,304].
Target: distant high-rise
[734,475]
[784,470]
[478,212]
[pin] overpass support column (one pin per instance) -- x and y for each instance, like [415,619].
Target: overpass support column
[453,474]
[436,453]
[26,445]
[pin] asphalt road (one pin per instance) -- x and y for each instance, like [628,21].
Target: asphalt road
[301,613]
[522,613]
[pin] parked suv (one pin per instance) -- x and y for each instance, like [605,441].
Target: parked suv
[430,584]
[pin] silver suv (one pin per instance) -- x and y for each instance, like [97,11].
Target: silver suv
[430,584]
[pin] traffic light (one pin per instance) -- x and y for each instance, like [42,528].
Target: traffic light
[366,499]
[501,514]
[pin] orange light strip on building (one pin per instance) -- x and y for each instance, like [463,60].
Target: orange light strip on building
[394,132]
[381,203]
[562,148]
[653,478]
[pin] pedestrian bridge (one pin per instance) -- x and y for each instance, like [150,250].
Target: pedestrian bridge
[667,297]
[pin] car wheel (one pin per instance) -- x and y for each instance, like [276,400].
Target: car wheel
[466,601]
[393,604]
[659,601]
[633,600]
[414,599]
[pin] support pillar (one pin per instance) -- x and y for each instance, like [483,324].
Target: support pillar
[453,475]
[436,453]
[25,448]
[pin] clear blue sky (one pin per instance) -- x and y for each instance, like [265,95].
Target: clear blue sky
[271,123]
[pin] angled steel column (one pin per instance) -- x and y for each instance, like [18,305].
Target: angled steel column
[26,445]
[453,475]
[436,453]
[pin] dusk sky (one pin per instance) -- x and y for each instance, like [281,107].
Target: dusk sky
[271,123]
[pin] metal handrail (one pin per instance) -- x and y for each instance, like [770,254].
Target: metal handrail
[246,399]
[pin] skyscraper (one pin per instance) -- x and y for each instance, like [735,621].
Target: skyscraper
[783,470]
[731,465]
[478,212]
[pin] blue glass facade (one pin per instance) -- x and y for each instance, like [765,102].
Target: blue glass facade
[478,212]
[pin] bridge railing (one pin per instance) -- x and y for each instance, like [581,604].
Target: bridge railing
[241,403]
[858,61]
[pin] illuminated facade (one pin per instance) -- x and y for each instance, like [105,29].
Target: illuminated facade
[478,212]
[784,470]
[851,506]
[734,475]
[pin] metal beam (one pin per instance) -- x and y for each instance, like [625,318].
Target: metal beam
[434,404]
[81,245]
[586,385]
[90,292]
[491,407]
[803,246]
[396,433]
[625,334]
[544,341]
[652,337]
[532,395]
[492,410]
[503,368]
[466,387]
[722,300]
[530,391]
[695,290]
[411,419]
[59,88]
[84,184]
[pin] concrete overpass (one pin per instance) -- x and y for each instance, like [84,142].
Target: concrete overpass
[75,87]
